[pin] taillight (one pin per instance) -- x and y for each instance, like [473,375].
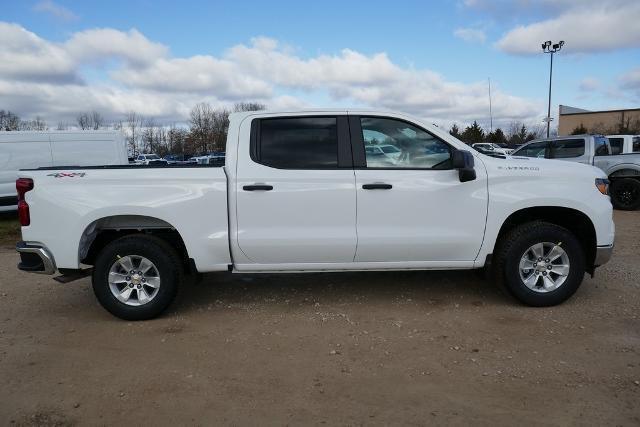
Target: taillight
[23,185]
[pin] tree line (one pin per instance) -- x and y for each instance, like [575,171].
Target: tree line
[206,129]
[516,133]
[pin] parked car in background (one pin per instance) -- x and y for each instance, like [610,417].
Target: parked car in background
[489,149]
[215,158]
[179,159]
[623,144]
[622,170]
[150,159]
[21,150]
[299,193]
[384,151]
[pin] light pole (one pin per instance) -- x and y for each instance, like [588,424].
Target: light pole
[548,47]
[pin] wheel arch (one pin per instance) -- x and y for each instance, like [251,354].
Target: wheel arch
[102,231]
[573,220]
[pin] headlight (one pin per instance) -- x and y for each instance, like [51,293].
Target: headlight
[602,185]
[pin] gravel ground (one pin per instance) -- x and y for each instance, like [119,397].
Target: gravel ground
[351,348]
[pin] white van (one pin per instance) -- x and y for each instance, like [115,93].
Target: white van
[26,150]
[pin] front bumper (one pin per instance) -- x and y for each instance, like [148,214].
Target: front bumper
[35,258]
[603,255]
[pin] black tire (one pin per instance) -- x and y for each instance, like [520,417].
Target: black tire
[625,194]
[160,254]
[512,247]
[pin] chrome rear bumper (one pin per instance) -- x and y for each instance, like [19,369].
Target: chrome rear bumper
[603,255]
[35,258]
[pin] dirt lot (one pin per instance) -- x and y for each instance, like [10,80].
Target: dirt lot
[356,348]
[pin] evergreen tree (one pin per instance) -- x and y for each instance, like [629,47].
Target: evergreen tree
[496,137]
[579,130]
[473,134]
[455,131]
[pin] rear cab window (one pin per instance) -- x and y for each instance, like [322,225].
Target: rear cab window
[300,142]
[617,145]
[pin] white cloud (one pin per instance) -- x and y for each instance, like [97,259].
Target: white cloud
[470,35]
[46,78]
[103,43]
[586,26]
[25,56]
[589,84]
[54,9]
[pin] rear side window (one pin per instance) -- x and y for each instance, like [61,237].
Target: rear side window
[601,146]
[635,145]
[298,143]
[567,148]
[534,149]
[616,145]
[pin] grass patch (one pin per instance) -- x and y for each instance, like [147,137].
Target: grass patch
[9,228]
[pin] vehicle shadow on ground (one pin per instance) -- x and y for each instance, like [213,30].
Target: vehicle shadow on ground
[433,287]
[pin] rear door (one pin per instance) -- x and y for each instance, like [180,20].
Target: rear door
[295,189]
[414,208]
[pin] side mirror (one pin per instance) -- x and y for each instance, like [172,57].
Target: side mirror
[463,161]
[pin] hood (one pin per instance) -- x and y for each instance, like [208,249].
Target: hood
[516,165]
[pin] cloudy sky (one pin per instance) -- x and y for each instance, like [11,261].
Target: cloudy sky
[431,59]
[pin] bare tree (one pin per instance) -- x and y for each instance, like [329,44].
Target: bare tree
[9,121]
[97,121]
[132,125]
[37,124]
[201,126]
[248,106]
[62,126]
[83,120]
[90,120]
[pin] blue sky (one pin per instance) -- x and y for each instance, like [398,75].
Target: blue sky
[446,50]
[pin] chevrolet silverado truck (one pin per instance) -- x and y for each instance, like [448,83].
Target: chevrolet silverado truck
[622,169]
[300,192]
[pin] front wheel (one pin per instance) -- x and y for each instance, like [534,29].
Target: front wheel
[136,277]
[625,194]
[541,264]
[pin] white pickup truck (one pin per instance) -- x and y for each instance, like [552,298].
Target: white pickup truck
[299,193]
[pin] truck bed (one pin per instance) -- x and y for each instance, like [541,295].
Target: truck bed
[67,204]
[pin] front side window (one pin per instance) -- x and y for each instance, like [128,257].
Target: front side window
[393,143]
[534,149]
[298,143]
[617,145]
[635,144]
[601,146]
[567,148]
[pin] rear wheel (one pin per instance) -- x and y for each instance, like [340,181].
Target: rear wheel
[539,263]
[625,194]
[136,277]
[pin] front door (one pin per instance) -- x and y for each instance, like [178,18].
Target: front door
[296,197]
[412,206]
